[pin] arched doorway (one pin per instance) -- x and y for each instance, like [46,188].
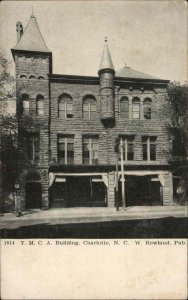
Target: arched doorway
[33,195]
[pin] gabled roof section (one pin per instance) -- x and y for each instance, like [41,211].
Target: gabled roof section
[128,72]
[32,39]
[106,61]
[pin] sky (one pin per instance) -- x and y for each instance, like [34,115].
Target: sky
[149,36]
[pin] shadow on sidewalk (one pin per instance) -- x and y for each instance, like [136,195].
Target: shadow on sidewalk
[169,227]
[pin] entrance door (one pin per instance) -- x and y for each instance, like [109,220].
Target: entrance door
[78,191]
[33,195]
[82,191]
[140,191]
[58,195]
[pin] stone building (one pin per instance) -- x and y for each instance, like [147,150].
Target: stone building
[68,125]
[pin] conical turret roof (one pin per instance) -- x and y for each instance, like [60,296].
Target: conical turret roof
[32,39]
[106,61]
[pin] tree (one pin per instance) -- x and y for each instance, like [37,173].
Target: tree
[7,84]
[8,132]
[177,106]
[178,127]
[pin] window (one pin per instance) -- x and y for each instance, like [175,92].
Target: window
[149,148]
[23,76]
[32,77]
[33,147]
[40,105]
[89,107]
[90,150]
[147,108]
[66,150]
[40,77]
[128,148]
[25,104]
[65,109]
[124,108]
[136,108]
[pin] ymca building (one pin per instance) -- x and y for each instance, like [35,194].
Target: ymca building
[68,125]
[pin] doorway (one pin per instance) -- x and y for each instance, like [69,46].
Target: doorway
[141,191]
[33,195]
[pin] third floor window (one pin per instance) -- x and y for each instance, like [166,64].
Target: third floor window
[136,108]
[89,107]
[25,104]
[147,108]
[65,107]
[40,105]
[124,108]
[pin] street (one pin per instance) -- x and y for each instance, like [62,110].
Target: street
[133,222]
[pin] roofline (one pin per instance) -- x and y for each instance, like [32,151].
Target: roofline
[54,77]
[30,51]
[145,80]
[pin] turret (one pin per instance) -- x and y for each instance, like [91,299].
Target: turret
[106,74]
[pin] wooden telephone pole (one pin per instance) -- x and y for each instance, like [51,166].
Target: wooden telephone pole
[118,148]
[122,175]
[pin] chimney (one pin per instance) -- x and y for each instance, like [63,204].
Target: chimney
[19,29]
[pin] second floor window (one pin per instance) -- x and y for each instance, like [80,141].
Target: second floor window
[124,108]
[136,108]
[89,107]
[39,105]
[33,147]
[149,148]
[128,148]
[65,107]
[66,150]
[90,150]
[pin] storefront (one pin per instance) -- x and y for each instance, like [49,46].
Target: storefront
[78,190]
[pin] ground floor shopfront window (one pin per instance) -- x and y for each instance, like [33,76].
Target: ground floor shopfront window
[78,191]
[141,191]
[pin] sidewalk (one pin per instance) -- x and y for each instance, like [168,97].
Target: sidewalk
[90,215]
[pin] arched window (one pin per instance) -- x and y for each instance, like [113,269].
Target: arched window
[32,77]
[23,76]
[147,108]
[89,107]
[124,108]
[65,107]
[136,108]
[25,104]
[39,105]
[41,77]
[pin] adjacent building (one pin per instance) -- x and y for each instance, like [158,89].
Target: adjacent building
[68,126]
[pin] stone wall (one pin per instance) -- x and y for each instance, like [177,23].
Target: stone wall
[79,126]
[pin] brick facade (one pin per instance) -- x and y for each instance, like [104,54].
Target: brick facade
[34,77]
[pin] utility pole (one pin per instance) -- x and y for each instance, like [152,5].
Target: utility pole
[122,175]
[116,193]
[116,149]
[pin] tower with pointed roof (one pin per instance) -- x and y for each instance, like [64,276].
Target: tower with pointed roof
[33,64]
[106,74]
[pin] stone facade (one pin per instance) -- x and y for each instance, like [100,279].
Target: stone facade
[34,77]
